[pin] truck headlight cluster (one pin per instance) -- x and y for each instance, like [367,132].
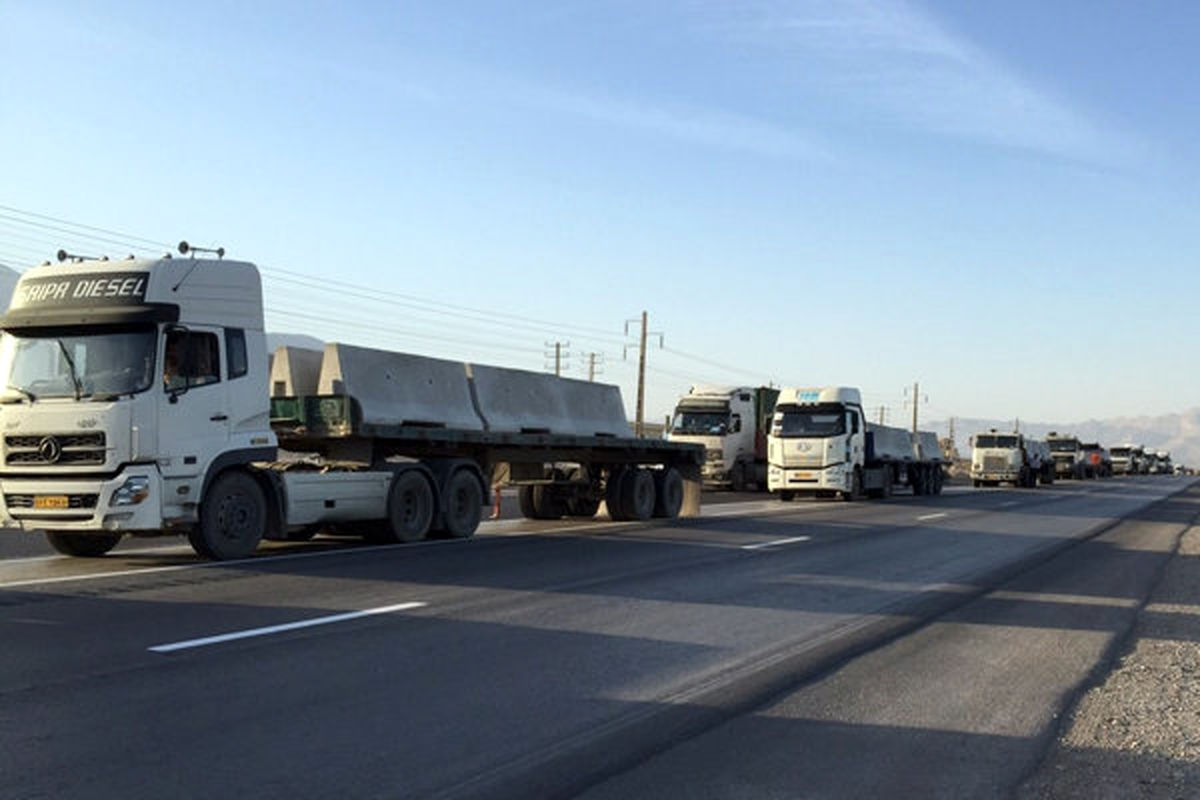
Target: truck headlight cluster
[132,492]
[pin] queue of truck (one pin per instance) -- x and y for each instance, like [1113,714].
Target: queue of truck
[140,400]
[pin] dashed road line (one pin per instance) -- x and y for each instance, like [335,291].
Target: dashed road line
[287,626]
[776,543]
[938,515]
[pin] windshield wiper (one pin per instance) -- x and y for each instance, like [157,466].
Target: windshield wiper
[25,392]
[71,364]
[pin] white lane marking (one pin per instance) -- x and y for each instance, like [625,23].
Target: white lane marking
[938,515]
[775,543]
[287,626]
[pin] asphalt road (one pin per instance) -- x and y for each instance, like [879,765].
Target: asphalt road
[763,650]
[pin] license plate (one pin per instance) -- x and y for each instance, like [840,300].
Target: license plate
[51,501]
[802,476]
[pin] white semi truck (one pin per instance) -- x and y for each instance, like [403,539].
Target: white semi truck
[732,424]
[1067,453]
[136,402]
[1128,459]
[1010,458]
[821,444]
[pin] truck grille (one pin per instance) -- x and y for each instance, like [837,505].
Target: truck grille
[61,449]
[73,500]
[994,463]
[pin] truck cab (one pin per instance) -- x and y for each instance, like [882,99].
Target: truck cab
[1067,455]
[731,423]
[128,386]
[998,458]
[817,442]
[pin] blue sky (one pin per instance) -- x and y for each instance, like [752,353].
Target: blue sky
[996,199]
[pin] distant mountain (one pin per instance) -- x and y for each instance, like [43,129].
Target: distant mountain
[277,340]
[1177,433]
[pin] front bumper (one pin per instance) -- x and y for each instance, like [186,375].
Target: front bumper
[89,503]
[808,479]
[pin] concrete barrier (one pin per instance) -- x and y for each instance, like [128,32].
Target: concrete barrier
[514,400]
[295,371]
[399,388]
[926,447]
[891,444]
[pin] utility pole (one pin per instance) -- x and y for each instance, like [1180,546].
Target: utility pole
[557,355]
[916,402]
[593,361]
[639,424]
[882,414]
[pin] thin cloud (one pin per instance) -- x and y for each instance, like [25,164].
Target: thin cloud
[916,72]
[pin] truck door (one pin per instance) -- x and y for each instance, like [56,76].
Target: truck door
[856,439]
[193,420]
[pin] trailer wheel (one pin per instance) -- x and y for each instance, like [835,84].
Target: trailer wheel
[668,493]
[82,545]
[525,500]
[637,494]
[233,518]
[410,507]
[613,494]
[939,480]
[464,505]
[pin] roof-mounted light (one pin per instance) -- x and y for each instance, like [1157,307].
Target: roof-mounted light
[186,248]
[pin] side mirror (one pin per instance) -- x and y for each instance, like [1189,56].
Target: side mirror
[735,424]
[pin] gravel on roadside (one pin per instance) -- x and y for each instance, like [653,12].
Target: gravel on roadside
[1137,735]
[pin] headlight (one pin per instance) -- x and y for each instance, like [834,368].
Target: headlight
[132,492]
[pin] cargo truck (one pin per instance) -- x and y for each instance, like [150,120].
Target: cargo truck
[1096,461]
[1162,463]
[732,424]
[1127,459]
[1010,458]
[1067,454]
[821,444]
[136,403]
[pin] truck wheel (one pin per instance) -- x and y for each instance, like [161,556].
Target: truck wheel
[855,488]
[233,518]
[82,545]
[583,506]
[464,505]
[786,495]
[613,494]
[939,480]
[525,500]
[637,494]
[916,479]
[737,478]
[547,504]
[668,493]
[410,507]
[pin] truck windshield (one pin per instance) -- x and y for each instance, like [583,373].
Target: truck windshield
[700,423]
[1068,446]
[1120,452]
[990,440]
[810,423]
[95,363]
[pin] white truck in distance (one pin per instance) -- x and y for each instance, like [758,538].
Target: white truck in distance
[1010,458]
[821,444]
[136,402]
[1128,459]
[1067,454]
[732,424]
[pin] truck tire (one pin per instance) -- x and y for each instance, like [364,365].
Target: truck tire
[548,502]
[637,494]
[855,487]
[82,545]
[917,478]
[737,477]
[410,507]
[525,501]
[787,495]
[668,493]
[233,518]
[939,480]
[464,505]
[580,505]
[613,494]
